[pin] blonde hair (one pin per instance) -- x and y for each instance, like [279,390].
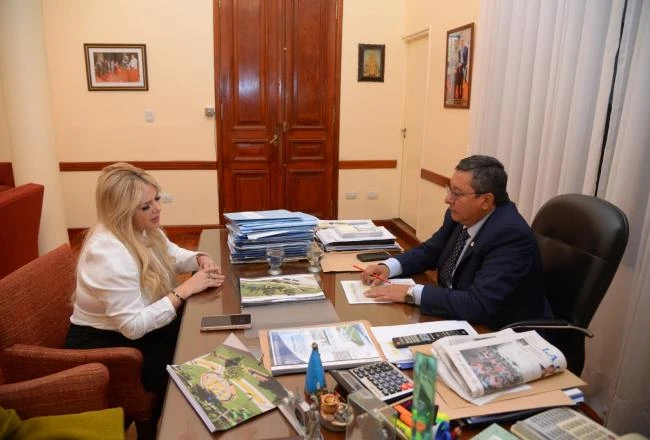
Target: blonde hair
[118,195]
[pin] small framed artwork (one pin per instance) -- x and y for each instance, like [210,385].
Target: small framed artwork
[371,62]
[116,66]
[458,66]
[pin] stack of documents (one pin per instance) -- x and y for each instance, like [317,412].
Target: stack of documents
[250,232]
[354,235]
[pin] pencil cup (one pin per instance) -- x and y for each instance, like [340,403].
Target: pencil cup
[274,256]
[314,253]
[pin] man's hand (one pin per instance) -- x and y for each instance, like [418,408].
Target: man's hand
[389,292]
[375,269]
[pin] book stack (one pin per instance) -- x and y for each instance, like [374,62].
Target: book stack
[354,235]
[250,232]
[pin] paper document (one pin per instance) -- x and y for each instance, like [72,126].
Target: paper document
[385,334]
[282,288]
[341,345]
[355,290]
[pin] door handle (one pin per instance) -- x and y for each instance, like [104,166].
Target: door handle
[274,140]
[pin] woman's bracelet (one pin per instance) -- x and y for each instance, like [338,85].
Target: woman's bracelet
[177,295]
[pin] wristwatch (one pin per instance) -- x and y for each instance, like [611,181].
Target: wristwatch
[409,298]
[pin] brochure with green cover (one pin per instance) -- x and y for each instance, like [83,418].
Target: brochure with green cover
[227,387]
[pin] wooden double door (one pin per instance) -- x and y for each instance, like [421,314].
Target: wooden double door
[277,67]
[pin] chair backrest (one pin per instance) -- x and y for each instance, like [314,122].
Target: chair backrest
[582,240]
[35,304]
[20,219]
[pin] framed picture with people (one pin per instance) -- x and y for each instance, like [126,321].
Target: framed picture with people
[116,66]
[458,66]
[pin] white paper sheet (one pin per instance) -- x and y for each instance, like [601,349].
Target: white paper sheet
[354,290]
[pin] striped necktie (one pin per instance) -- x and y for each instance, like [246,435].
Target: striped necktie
[444,277]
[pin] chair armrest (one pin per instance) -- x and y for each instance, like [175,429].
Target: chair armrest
[21,362]
[552,324]
[75,390]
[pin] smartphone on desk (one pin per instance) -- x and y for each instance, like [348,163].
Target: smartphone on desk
[373,256]
[226,322]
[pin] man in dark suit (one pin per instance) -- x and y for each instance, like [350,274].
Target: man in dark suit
[488,262]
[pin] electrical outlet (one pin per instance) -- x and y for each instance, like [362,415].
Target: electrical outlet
[350,195]
[166,198]
[372,195]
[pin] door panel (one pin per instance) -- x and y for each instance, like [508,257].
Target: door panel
[278,82]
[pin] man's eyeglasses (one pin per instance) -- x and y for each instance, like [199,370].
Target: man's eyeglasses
[455,195]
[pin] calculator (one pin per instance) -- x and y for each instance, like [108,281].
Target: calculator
[382,379]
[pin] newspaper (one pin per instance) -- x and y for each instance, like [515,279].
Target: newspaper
[481,368]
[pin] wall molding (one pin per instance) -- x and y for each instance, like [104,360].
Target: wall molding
[366,164]
[146,165]
[435,178]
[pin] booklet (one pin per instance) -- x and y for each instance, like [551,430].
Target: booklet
[281,288]
[227,387]
[341,345]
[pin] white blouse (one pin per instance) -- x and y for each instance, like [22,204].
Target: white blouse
[108,294]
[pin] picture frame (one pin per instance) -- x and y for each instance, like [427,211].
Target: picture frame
[112,67]
[458,66]
[371,62]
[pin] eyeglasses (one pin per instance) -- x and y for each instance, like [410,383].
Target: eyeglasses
[455,195]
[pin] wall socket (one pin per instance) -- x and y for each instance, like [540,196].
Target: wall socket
[350,195]
[166,198]
[372,195]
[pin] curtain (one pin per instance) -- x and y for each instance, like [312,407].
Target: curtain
[561,98]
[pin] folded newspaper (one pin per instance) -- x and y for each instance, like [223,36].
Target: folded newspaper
[482,367]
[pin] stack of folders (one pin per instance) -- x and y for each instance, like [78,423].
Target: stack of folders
[354,235]
[250,232]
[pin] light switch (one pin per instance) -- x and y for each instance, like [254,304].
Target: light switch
[149,116]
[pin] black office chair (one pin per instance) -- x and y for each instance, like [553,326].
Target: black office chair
[582,240]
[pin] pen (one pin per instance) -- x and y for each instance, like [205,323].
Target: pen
[380,278]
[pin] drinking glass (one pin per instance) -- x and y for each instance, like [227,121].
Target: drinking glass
[274,256]
[314,252]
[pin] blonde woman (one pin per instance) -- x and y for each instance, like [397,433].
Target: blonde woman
[126,294]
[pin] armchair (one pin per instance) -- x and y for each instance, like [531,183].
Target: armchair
[35,309]
[20,219]
[582,240]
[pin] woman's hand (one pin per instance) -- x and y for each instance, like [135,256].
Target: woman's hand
[389,292]
[201,280]
[206,263]
[380,270]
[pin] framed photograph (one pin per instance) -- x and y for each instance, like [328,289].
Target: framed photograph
[458,66]
[116,66]
[371,62]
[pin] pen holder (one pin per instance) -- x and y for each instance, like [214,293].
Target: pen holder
[372,417]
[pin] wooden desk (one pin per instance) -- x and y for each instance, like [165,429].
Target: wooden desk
[179,420]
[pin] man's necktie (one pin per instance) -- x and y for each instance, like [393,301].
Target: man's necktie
[444,278]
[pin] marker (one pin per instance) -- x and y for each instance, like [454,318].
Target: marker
[380,278]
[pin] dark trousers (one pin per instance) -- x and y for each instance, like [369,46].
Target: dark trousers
[157,348]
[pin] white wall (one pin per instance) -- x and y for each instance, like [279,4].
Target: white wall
[5,149]
[371,112]
[107,126]
[110,125]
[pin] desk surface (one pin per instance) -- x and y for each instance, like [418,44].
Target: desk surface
[179,420]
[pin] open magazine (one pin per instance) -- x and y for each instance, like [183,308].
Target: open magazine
[481,367]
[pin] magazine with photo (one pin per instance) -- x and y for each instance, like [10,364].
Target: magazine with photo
[281,288]
[482,367]
[227,387]
[340,345]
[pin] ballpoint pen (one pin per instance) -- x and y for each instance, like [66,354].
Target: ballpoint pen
[380,278]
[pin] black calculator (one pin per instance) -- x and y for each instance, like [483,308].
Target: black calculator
[425,338]
[382,379]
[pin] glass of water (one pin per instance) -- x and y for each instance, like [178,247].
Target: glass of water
[314,252]
[274,256]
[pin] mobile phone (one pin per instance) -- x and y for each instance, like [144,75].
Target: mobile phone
[224,322]
[373,256]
